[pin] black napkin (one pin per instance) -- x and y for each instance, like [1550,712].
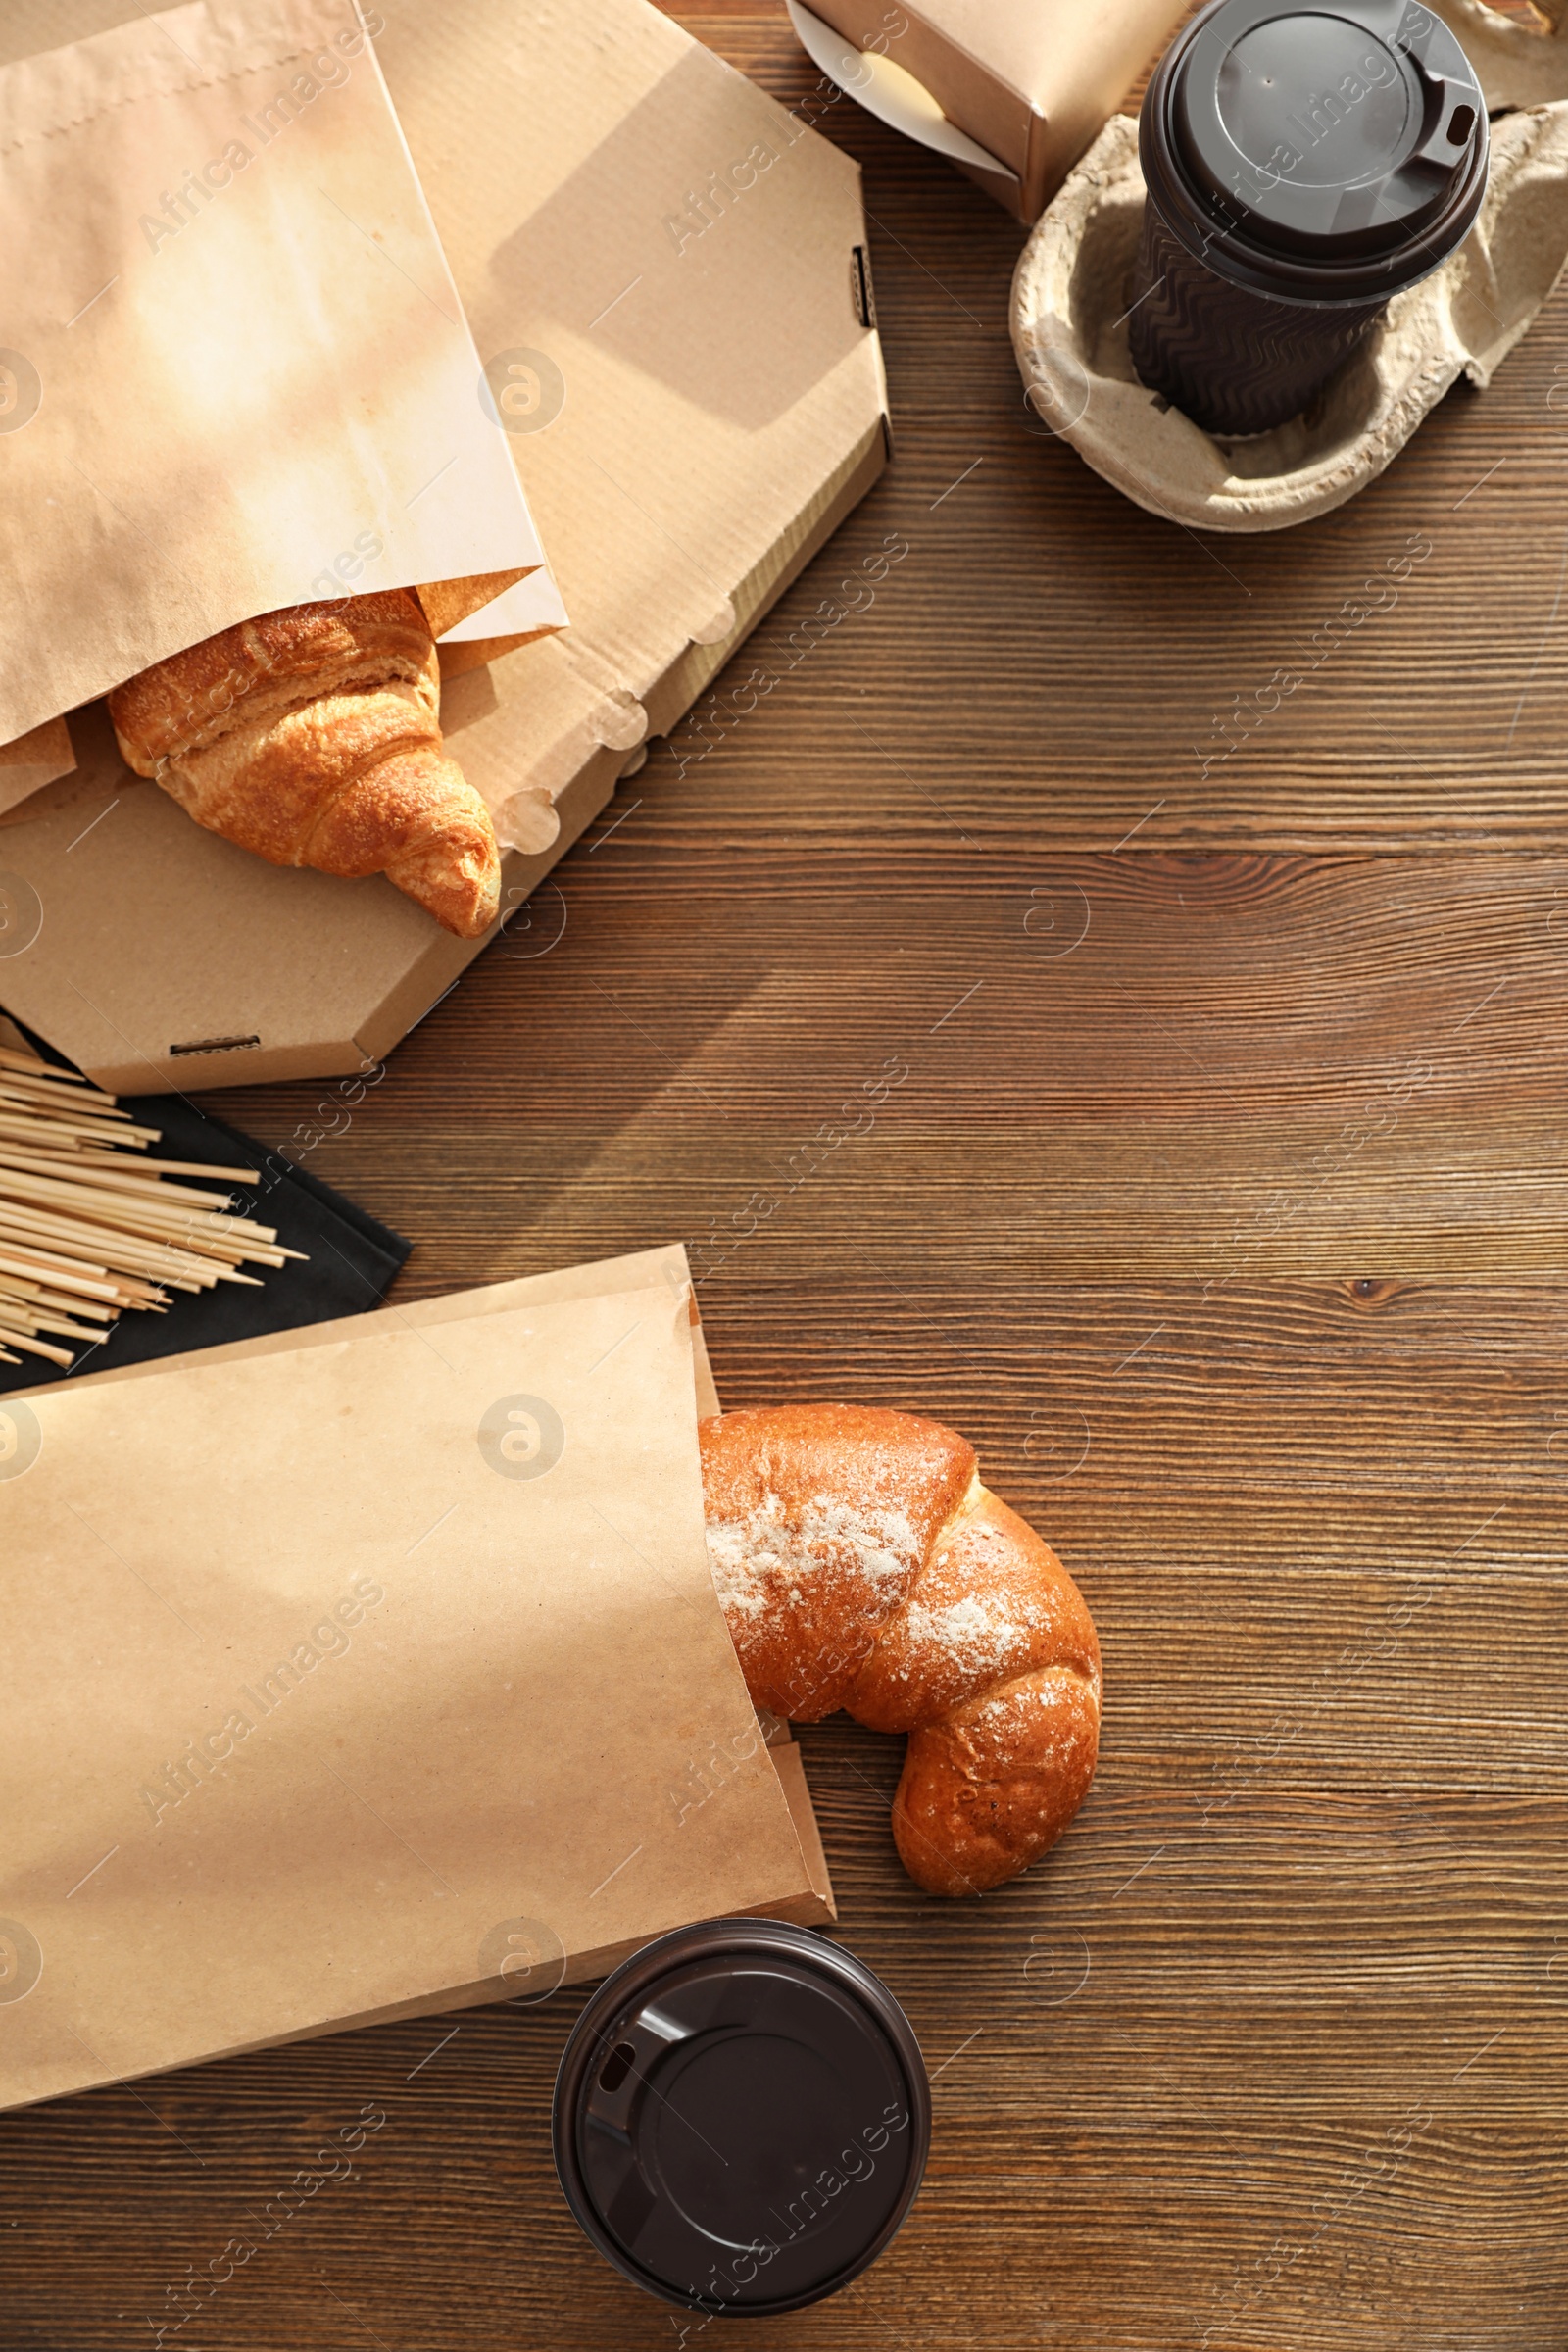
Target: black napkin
[351,1256]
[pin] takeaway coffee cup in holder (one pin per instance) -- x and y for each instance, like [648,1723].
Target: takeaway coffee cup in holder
[1302,165]
[741,2118]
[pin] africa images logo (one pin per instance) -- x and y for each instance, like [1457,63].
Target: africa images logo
[21,391]
[20,1439]
[521,1437]
[21,1960]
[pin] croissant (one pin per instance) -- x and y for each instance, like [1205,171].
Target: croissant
[861,1564]
[311,737]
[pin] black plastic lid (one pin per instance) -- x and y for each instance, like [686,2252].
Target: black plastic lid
[742,2117]
[1336,153]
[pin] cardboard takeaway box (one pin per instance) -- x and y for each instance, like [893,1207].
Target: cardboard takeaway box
[696,399]
[1011,91]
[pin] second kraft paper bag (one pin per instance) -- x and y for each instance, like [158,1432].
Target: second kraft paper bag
[342,1683]
[236,374]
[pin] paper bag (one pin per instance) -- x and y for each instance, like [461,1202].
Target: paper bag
[370,1678]
[237,374]
[605,1276]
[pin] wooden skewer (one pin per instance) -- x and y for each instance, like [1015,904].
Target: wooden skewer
[14,1072]
[190,1167]
[106,1299]
[45,1139]
[91,1226]
[40,1301]
[74,1102]
[104,1170]
[132,1254]
[82,1229]
[69,1139]
[44,1348]
[26,1286]
[109,1188]
[40,1079]
[91,1281]
[71,1103]
[127,1210]
[20,1115]
[87,1205]
[28,1311]
[103,1118]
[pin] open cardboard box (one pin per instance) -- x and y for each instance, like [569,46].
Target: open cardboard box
[696,397]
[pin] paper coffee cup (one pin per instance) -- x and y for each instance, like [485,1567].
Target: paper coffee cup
[742,2118]
[1303,166]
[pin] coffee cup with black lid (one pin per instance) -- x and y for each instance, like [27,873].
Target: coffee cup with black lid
[1303,166]
[741,2118]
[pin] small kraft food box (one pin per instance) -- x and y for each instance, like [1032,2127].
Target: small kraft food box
[1011,91]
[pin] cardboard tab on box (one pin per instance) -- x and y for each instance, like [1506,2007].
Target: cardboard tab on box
[693,393]
[369,1676]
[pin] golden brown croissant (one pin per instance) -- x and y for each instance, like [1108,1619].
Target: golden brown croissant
[861,1564]
[312,736]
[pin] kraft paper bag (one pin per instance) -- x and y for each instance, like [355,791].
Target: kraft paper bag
[668,1267]
[366,1679]
[236,373]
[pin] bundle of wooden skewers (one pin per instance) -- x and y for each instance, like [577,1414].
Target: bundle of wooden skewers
[89,1226]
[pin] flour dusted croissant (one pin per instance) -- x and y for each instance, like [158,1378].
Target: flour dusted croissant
[311,736]
[861,1564]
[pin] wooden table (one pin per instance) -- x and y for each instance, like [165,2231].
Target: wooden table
[1222,1205]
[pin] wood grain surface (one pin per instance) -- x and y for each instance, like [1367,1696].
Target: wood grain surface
[1095,650]
[1270,2053]
[1204,1162]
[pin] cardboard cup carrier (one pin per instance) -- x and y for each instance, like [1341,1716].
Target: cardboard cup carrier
[1240,342]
